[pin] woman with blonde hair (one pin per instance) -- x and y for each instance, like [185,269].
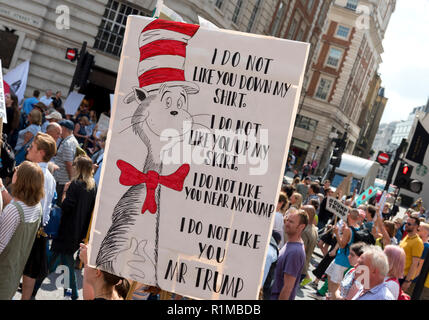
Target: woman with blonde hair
[77,204]
[19,223]
[295,201]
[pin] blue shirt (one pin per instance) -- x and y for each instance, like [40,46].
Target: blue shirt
[29,105]
[380,292]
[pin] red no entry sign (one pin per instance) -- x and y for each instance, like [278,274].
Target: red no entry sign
[383,158]
[71,54]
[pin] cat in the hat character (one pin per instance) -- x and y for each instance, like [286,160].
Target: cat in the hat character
[163,103]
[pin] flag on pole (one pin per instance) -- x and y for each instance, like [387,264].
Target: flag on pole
[17,79]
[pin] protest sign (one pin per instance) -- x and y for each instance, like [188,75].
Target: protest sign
[366,195]
[194,158]
[103,123]
[381,204]
[2,97]
[338,208]
[344,187]
[73,102]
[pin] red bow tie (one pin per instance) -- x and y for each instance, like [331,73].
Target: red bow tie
[130,176]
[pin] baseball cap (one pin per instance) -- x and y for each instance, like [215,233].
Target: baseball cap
[67,124]
[40,105]
[54,115]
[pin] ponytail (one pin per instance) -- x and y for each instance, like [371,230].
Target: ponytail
[122,288]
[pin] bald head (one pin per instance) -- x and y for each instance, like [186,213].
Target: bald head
[54,130]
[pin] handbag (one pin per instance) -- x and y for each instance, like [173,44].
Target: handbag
[51,229]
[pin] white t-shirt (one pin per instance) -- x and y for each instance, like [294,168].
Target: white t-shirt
[393,287]
[279,227]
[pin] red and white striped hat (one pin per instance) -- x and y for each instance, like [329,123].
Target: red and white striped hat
[162,55]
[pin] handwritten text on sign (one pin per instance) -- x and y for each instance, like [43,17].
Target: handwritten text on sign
[337,208]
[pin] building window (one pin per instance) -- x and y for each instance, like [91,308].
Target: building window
[292,29]
[219,3]
[112,28]
[300,34]
[334,57]
[352,4]
[324,88]
[310,5]
[277,19]
[343,32]
[306,123]
[253,16]
[237,11]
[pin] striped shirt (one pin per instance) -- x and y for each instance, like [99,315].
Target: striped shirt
[10,220]
[66,153]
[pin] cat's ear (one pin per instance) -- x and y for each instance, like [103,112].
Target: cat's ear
[140,94]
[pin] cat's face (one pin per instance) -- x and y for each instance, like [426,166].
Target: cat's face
[165,113]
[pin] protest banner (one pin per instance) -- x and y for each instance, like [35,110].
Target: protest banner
[344,187]
[73,102]
[337,207]
[195,156]
[381,204]
[103,123]
[366,195]
[2,98]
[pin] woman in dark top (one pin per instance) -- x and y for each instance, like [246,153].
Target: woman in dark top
[13,115]
[77,205]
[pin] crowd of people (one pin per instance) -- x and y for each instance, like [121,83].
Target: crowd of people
[58,161]
[372,254]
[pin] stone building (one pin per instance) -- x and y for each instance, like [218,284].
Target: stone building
[42,30]
[369,120]
[344,63]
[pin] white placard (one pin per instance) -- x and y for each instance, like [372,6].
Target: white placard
[195,157]
[103,123]
[337,208]
[2,98]
[381,204]
[73,102]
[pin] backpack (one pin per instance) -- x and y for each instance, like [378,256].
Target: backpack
[7,159]
[402,294]
[51,229]
[268,284]
[21,155]
[363,235]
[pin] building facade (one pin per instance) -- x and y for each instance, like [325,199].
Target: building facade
[369,120]
[339,77]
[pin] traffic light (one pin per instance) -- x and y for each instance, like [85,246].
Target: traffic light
[336,157]
[416,186]
[403,177]
[85,70]
[340,145]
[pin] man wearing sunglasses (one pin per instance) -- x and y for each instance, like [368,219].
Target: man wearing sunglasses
[413,247]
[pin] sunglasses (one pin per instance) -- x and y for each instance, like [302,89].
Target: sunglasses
[410,224]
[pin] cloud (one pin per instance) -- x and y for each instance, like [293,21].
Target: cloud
[405,67]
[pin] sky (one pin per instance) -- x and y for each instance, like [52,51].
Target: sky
[405,67]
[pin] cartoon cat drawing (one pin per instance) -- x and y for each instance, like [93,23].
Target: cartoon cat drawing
[163,103]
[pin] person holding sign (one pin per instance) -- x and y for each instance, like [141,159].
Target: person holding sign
[103,285]
[291,257]
[341,263]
